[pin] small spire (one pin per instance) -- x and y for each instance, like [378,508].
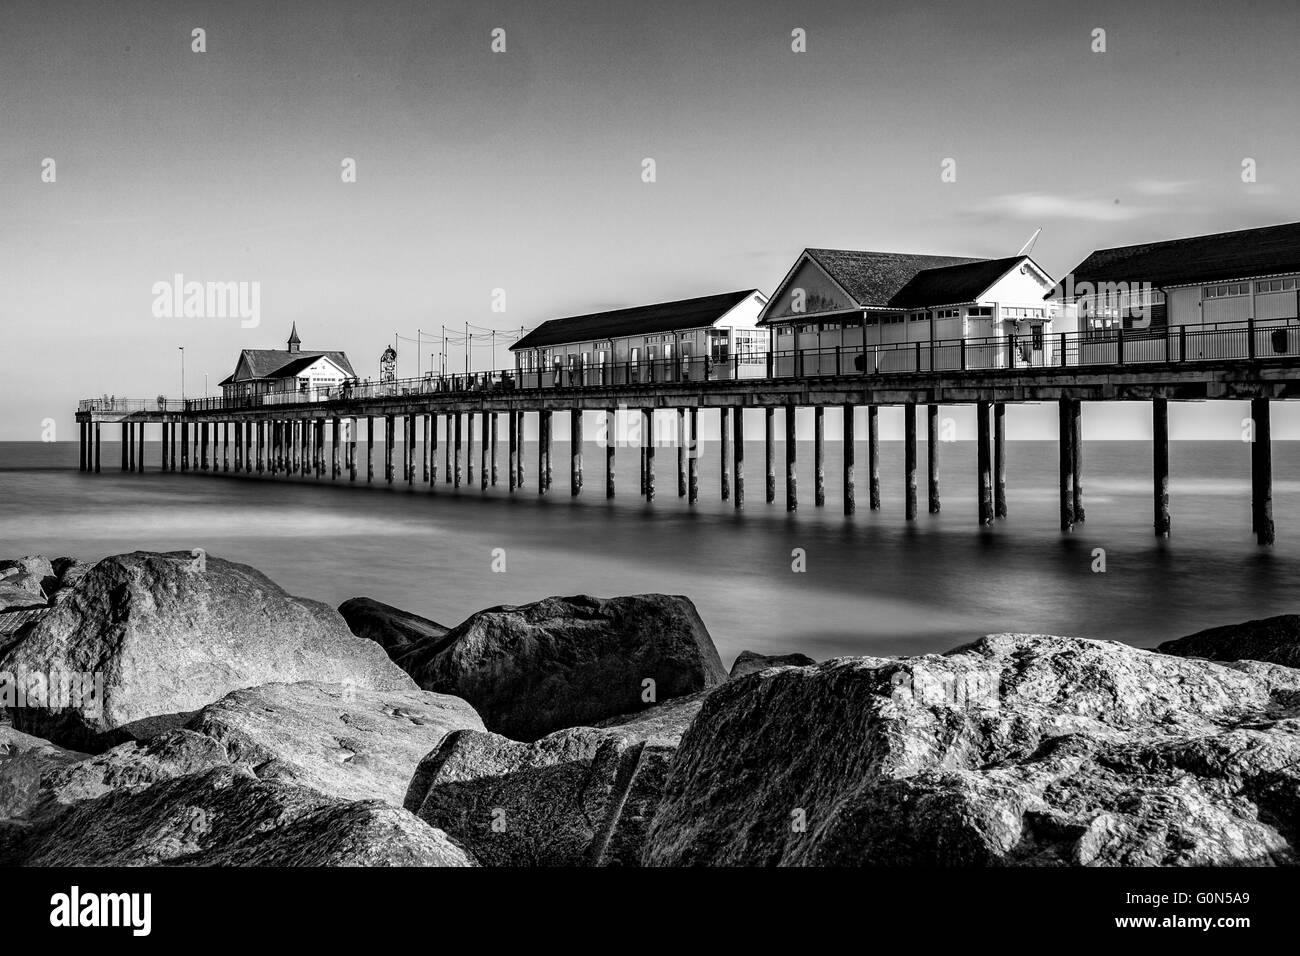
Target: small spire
[294,341]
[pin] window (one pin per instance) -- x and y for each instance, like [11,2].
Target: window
[980,311]
[947,314]
[1023,313]
[1275,285]
[919,316]
[1036,333]
[784,330]
[1222,291]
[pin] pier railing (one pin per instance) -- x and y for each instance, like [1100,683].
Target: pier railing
[1090,349]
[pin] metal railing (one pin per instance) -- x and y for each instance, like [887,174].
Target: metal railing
[111,403]
[1091,349]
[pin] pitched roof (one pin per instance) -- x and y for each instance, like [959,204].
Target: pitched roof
[952,284]
[276,363]
[873,279]
[1224,255]
[638,320]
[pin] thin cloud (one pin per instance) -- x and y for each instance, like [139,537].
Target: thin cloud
[1162,187]
[1041,206]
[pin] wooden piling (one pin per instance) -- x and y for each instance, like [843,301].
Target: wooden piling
[693,460]
[873,456]
[769,453]
[492,446]
[139,458]
[390,440]
[932,456]
[512,453]
[984,463]
[611,440]
[185,446]
[261,448]
[353,424]
[738,455]
[909,461]
[484,465]
[543,451]
[447,466]
[819,457]
[1076,456]
[724,440]
[458,454]
[791,456]
[1065,443]
[681,452]
[203,447]
[649,441]
[520,432]
[433,452]
[1160,465]
[370,448]
[97,449]
[1261,471]
[575,452]
[469,449]
[426,453]
[171,453]
[850,503]
[999,460]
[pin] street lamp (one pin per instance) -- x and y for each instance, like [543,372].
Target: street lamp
[205,384]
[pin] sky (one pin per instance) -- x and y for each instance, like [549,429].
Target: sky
[522,170]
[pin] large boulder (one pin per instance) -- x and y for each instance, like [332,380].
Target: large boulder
[579,796]
[748,662]
[565,662]
[165,634]
[398,632]
[26,762]
[226,816]
[1275,640]
[342,741]
[1017,749]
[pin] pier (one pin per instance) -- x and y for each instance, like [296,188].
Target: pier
[278,434]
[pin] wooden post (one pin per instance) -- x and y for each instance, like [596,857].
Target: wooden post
[261,447]
[648,442]
[83,446]
[693,463]
[1160,464]
[791,455]
[169,427]
[738,454]
[469,449]
[983,455]
[353,424]
[611,441]
[426,455]
[1066,445]
[819,457]
[769,450]
[225,447]
[1076,455]
[909,461]
[171,454]
[370,448]
[850,504]
[873,456]
[458,454]
[512,454]
[390,439]
[999,460]
[519,436]
[725,479]
[543,450]
[575,452]
[335,468]
[447,466]
[412,439]
[203,447]
[1261,471]
[681,452]
[932,455]
[492,423]
[185,446]
[484,465]
[320,447]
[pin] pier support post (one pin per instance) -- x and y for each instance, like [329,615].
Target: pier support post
[648,441]
[738,454]
[769,453]
[493,420]
[97,449]
[203,448]
[447,451]
[984,464]
[433,452]
[261,447]
[575,452]
[512,453]
[139,460]
[426,456]
[353,424]
[320,448]
[932,455]
[83,446]
[459,454]
[469,449]
[185,446]
[999,460]
[693,460]
[611,442]
[1066,444]
[681,452]
[724,441]
[519,442]
[225,447]
[850,504]
[791,456]
[909,461]
[819,457]
[1261,471]
[413,438]
[171,454]
[1160,465]
[873,456]
[544,452]
[484,464]
[1076,455]
[390,439]
[370,449]
[335,468]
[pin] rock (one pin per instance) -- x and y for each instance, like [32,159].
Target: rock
[24,582]
[15,597]
[344,742]
[25,763]
[228,817]
[398,632]
[69,572]
[1275,640]
[579,796]
[169,633]
[1015,750]
[747,662]
[564,662]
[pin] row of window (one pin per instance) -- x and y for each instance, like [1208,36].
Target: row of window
[1275,285]
[1220,291]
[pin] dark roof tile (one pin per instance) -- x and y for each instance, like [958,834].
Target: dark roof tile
[638,320]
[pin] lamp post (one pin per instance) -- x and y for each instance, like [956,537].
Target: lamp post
[205,384]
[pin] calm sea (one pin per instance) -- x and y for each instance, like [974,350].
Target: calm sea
[873,584]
